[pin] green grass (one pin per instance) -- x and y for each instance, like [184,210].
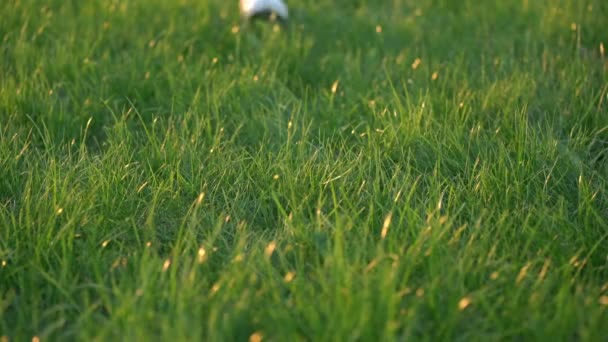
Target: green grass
[337,192]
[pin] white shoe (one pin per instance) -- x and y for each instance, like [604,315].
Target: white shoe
[263,8]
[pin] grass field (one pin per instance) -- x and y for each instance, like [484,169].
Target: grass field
[375,170]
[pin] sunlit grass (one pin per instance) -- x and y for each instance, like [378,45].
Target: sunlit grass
[375,170]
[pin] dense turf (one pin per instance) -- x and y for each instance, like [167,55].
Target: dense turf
[394,169]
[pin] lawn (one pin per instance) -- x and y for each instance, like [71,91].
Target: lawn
[374,170]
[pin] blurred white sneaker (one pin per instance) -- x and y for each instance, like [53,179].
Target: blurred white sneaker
[251,9]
